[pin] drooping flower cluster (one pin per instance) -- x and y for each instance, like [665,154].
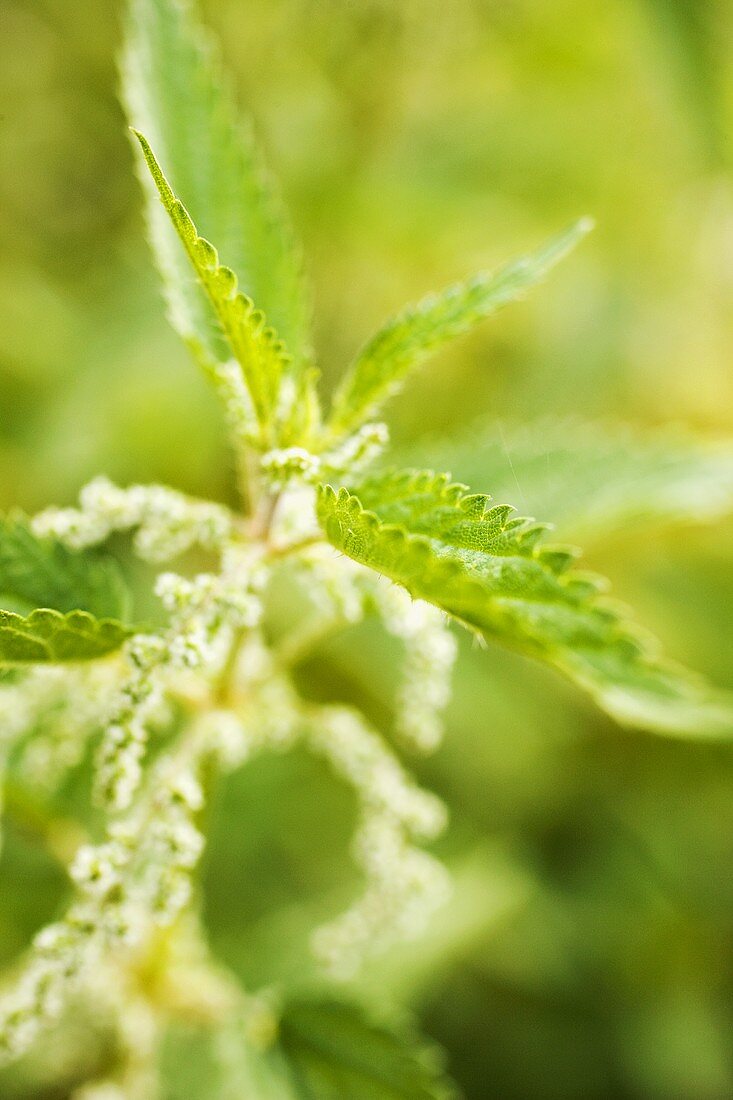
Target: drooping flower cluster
[138,876]
[282,466]
[430,653]
[219,691]
[71,705]
[403,883]
[167,522]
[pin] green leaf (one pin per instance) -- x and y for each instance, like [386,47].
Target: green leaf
[335,1051]
[58,604]
[220,1064]
[174,92]
[326,1050]
[414,334]
[42,572]
[591,479]
[255,345]
[492,572]
[50,636]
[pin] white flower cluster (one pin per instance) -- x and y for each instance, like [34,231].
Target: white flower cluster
[47,715]
[234,395]
[27,699]
[227,735]
[119,758]
[357,451]
[295,519]
[145,865]
[404,883]
[76,709]
[337,586]
[127,1013]
[20,710]
[286,465]
[265,716]
[204,614]
[60,955]
[343,591]
[212,659]
[173,847]
[430,653]
[273,716]
[140,872]
[167,522]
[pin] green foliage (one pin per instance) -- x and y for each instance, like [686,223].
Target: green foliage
[215,684]
[335,1051]
[261,355]
[59,604]
[174,92]
[412,336]
[47,636]
[591,479]
[491,572]
[42,572]
[325,1050]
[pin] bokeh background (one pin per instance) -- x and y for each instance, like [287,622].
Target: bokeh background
[588,952]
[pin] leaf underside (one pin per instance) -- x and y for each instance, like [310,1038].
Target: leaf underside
[57,604]
[417,332]
[492,572]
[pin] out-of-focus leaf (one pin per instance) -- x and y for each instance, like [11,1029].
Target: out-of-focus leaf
[42,572]
[48,636]
[334,1050]
[491,573]
[326,1050]
[58,604]
[221,1063]
[592,480]
[409,338]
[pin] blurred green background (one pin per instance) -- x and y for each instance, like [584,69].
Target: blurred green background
[588,952]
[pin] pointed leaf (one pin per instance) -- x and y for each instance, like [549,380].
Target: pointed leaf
[490,571]
[256,347]
[413,335]
[175,93]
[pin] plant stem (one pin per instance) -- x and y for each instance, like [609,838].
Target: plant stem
[264,515]
[298,644]
[222,691]
[288,548]
[248,478]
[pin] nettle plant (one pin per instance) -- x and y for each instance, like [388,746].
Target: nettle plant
[163,711]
